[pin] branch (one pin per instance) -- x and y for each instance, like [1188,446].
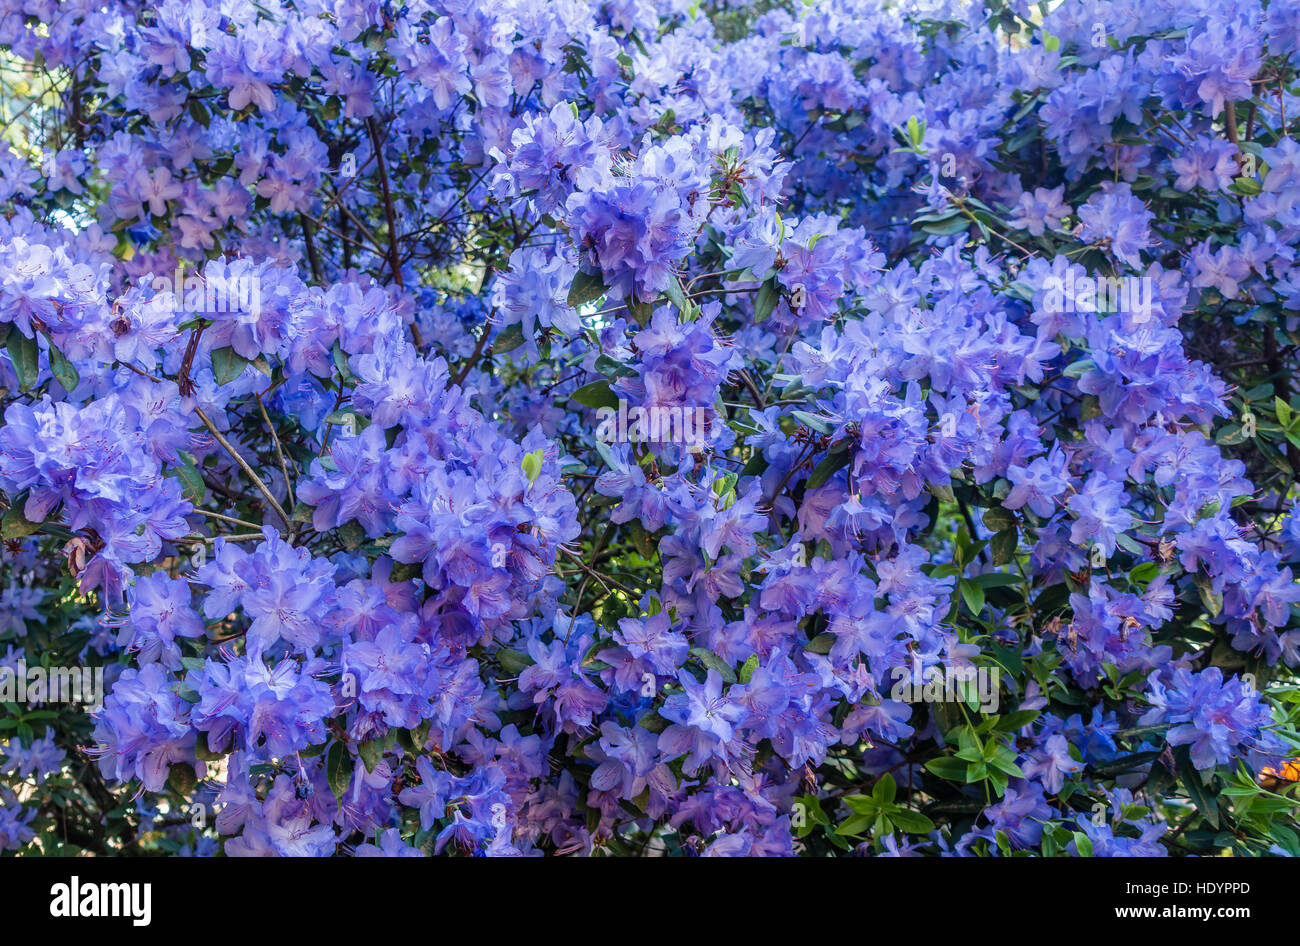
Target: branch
[275,439]
[393,259]
[243,465]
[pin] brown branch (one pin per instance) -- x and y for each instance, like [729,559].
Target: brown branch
[312,257]
[474,355]
[275,439]
[394,259]
[243,465]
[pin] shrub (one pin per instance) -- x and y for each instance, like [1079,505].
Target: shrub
[632,427]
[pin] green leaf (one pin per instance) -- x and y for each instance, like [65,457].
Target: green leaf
[713,662]
[1283,410]
[885,790]
[532,465]
[510,338]
[586,287]
[15,525]
[1003,546]
[941,491]
[1013,721]
[1006,764]
[353,534]
[855,825]
[199,113]
[338,769]
[596,394]
[955,225]
[1212,600]
[227,364]
[1230,436]
[341,362]
[1124,764]
[973,595]
[25,356]
[182,779]
[747,669]
[824,470]
[612,368]
[948,767]
[677,296]
[646,546]
[1205,802]
[62,369]
[815,422]
[371,752]
[514,662]
[821,644]
[997,580]
[999,519]
[191,482]
[913,822]
[813,814]
[201,750]
[1142,574]
[765,300]
[861,804]
[1079,368]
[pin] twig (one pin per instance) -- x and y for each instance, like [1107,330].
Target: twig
[230,519]
[237,537]
[393,259]
[753,388]
[275,439]
[243,465]
[312,257]
[474,355]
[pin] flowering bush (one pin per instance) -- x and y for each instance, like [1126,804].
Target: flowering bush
[649,427]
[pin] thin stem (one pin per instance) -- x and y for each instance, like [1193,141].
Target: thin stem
[233,521]
[243,465]
[394,259]
[275,439]
[209,539]
[464,371]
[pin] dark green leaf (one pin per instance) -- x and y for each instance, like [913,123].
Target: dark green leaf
[586,287]
[913,822]
[948,767]
[595,394]
[713,662]
[25,355]
[338,769]
[824,470]
[1003,546]
[509,338]
[227,364]
[62,369]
